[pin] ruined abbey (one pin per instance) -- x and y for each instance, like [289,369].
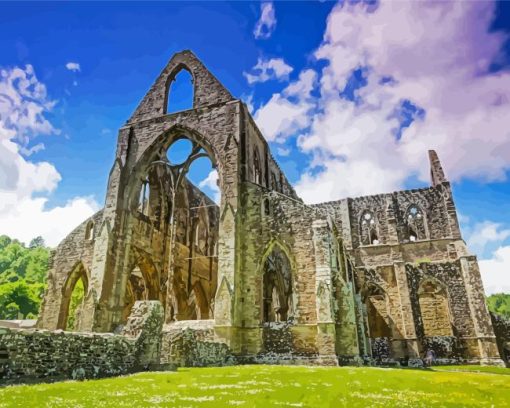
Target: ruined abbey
[260,276]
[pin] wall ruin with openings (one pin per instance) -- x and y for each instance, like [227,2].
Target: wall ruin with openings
[261,276]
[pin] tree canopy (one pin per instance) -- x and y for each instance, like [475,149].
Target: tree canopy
[22,277]
[499,304]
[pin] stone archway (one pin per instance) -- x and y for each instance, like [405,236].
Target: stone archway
[77,275]
[376,303]
[277,285]
[177,223]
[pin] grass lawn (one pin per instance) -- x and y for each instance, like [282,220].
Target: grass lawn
[276,386]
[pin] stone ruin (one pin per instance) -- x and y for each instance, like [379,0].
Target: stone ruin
[260,276]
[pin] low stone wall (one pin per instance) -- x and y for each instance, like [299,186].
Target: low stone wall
[193,344]
[31,355]
[502,332]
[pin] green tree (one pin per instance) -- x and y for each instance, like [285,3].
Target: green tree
[499,304]
[19,298]
[22,277]
[37,242]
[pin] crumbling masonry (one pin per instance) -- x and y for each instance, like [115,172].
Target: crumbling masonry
[263,277]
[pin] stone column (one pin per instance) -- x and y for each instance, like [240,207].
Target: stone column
[409,329]
[326,333]
[486,340]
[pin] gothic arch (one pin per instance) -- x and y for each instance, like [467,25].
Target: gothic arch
[376,302]
[171,78]
[149,273]
[257,170]
[278,284]
[369,228]
[89,231]
[156,153]
[77,272]
[208,90]
[434,308]
[416,223]
[200,300]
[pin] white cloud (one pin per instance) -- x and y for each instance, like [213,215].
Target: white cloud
[267,22]
[282,151]
[437,55]
[266,69]
[496,271]
[23,103]
[73,66]
[281,117]
[288,112]
[211,183]
[484,233]
[30,219]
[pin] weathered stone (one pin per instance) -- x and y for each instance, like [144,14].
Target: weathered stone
[378,278]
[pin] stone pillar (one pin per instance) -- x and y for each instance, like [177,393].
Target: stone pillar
[486,340]
[326,333]
[409,329]
[104,271]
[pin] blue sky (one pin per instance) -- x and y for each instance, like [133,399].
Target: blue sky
[358,112]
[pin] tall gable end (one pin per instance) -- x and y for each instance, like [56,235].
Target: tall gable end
[207,89]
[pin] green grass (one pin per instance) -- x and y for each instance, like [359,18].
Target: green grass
[475,369]
[275,386]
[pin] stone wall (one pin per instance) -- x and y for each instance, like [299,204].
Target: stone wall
[340,269]
[502,330]
[31,355]
[193,344]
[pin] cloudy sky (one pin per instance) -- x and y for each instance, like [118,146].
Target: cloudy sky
[349,95]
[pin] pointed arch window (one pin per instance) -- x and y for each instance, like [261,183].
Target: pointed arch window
[257,173]
[143,206]
[277,287]
[368,229]
[416,226]
[274,183]
[180,92]
[89,231]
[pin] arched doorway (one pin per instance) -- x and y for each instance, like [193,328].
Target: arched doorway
[277,291]
[377,312]
[143,281]
[73,295]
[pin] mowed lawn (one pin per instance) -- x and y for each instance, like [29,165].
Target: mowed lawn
[276,386]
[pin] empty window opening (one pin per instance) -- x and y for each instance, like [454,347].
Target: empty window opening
[368,229]
[143,206]
[277,289]
[75,306]
[180,92]
[181,194]
[179,151]
[416,226]
[73,296]
[89,231]
[257,173]
[267,208]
